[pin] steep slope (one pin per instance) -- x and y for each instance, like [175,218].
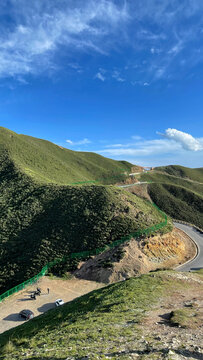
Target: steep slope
[178,195]
[50,163]
[39,223]
[127,320]
[178,202]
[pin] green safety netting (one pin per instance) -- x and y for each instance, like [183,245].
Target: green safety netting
[85,254]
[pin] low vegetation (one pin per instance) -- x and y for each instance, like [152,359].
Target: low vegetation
[50,163]
[174,190]
[41,222]
[160,178]
[108,314]
[188,317]
[178,202]
[183,172]
[106,323]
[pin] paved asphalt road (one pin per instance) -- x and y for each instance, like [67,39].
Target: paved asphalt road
[197,263]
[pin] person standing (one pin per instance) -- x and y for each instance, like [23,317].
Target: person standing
[48,290]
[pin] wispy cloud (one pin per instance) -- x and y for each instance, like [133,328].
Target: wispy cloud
[144,148]
[80,142]
[173,142]
[100,76]
[116,75]
[163,37]
[39,30]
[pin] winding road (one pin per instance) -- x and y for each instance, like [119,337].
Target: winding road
[137,183]
[197,237]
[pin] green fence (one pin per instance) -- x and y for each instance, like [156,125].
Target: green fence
[85,254]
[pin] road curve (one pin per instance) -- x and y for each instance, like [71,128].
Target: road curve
[197,237]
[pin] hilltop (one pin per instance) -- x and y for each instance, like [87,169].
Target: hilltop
[148,317]
[46,162]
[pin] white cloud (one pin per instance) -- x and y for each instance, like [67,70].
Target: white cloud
[80,142]
[117,77]
[39,30]
[100,76]
[144,148]
[187,141]
[173,145]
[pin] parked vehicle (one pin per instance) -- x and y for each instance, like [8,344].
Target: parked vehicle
[26,314]
[59,302]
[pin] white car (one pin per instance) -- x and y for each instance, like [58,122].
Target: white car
[59,302]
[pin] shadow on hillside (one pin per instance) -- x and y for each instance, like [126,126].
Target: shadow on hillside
[52,358]
[46,307]
[49,358]
[186,353]
[166,319]
[13,317]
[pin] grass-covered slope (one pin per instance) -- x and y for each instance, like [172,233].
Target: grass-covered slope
[108,324]
[183,172]
[39,223]
[50,163]
[178,202]
[180,196]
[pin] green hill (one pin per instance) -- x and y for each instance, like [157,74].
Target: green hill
[178,202]
[178,191]
[50,163]
[113,322]
[41,222]
[183,172]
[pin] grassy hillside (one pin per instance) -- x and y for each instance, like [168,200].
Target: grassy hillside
[50,163]
[178,202]
[108,323]
[41,222]
[180,196]
[183,172]
[161,178]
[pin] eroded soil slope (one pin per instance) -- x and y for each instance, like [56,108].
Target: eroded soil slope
[138,257]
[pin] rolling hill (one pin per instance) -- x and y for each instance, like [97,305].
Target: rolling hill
[183,172]
[41,221]
[178,191]
[50,163]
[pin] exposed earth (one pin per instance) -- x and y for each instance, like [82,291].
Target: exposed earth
[160,338]
[66,290]
[138,257]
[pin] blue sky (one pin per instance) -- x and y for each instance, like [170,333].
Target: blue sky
[119,77]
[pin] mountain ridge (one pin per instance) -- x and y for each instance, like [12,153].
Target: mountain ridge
[48,162]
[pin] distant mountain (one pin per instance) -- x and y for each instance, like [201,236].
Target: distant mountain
[50,163]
